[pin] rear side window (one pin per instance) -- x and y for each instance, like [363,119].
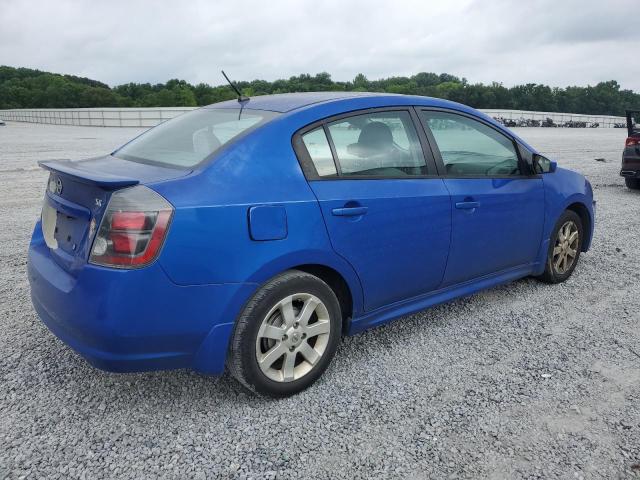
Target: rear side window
[471,148]
[192,137]
[378,144]
[320,152]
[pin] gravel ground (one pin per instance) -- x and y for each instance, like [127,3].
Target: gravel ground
[522,381]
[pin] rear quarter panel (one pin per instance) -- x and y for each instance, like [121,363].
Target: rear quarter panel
[210,239]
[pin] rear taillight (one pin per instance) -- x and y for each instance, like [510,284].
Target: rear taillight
[632,142]
[132,230]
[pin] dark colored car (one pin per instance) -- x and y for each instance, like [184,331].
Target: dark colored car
[253,235]
[631,156]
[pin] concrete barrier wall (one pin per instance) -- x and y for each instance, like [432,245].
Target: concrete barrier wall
[149,117]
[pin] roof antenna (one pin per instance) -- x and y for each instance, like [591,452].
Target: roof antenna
[241,98]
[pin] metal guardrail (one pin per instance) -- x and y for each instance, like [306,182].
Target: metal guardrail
[149,117]
[524,118]
[95,117]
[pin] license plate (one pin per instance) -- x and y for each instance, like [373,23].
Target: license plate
[49,220]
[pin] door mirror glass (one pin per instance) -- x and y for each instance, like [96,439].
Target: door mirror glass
[543,164]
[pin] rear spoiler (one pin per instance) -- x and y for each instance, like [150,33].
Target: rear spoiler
[75,170]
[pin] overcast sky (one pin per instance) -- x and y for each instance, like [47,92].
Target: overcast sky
[556,42]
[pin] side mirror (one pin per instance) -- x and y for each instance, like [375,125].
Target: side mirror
[543,164]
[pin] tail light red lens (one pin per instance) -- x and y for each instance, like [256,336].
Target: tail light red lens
[132,230]
[128,220]
[632,142]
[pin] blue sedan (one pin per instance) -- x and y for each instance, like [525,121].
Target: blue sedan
[252,234]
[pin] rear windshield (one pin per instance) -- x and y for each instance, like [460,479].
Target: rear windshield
[190,138]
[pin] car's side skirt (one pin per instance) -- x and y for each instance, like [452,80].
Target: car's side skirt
[388,313]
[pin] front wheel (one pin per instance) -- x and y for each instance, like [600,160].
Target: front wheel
[286,335]
[632,183]
[564,248]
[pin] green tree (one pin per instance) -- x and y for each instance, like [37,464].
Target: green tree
[28,88]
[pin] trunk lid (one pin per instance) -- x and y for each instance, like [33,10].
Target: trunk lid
[76,198]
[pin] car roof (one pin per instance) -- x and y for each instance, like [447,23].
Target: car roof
[286,102]
[290,103]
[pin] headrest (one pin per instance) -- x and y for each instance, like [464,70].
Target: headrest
[205,142]
[375,137]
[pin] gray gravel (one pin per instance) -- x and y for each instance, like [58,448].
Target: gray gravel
[522,381]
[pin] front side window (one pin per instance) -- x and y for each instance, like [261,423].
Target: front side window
[190,138]
[378,144]
[471,148]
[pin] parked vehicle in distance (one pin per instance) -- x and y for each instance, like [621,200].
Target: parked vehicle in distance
[252,235]
[631,155]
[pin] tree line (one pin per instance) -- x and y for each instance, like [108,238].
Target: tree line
[28,88]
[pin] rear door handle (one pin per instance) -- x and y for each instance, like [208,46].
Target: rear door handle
[467,205]
[349,211]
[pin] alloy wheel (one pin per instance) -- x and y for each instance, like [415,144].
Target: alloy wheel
[566,247]
[292,337]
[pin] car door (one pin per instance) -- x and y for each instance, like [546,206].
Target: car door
[498,205]
[386,211]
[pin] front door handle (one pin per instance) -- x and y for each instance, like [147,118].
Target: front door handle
[349,211]
[467,205]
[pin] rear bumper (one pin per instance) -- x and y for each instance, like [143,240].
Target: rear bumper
[130,359]
[134,320]
[630,167]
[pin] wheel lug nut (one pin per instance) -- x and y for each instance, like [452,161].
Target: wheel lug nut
[284,337]
[295,325]
[304,335]
[291,349]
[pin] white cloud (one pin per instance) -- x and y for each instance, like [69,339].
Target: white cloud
[540,41]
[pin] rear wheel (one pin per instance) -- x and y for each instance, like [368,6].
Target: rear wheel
[286,336]
[632,183]
[564,248]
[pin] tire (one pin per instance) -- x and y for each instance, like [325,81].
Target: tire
[271,351]
[556,270]
[632,183]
